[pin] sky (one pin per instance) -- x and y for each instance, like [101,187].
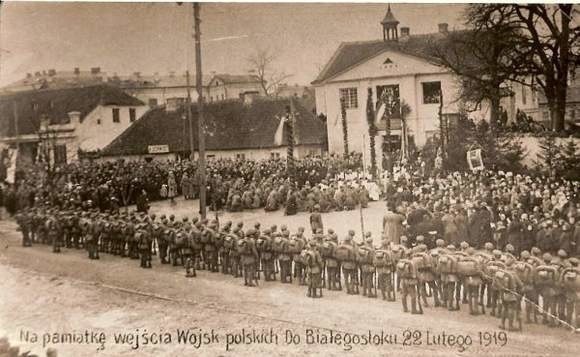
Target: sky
[124,38]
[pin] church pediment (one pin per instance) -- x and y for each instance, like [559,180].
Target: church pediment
[386,64]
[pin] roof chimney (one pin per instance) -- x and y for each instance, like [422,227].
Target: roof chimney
[405,33]
[74,117]
[173,104]
[77,71]
[95,70]
[28,75]
[443,27]
[52,72]
[137,74]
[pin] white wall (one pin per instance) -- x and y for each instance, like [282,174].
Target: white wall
[94,136]
[249,154]
[406,71]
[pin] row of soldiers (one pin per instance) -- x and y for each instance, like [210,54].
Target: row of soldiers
[487,278]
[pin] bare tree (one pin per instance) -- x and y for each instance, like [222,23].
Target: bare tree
[548,47]
[262,63]
[485,57]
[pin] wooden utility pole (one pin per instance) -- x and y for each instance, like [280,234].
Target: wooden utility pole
[189,118]
[200,118]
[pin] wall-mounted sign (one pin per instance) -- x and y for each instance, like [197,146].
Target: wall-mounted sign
[158,149]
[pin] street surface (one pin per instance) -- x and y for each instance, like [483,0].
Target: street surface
[44,293]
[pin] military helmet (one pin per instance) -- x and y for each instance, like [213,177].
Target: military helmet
[547,257]
[509,248]
[464,245]
[525,254]
[488,246]
[536,251]
[420,239]
[562,253]
[496,253]
[251,232]
[440,243]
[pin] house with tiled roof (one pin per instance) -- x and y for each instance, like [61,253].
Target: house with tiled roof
[233,86]
[58,124]
[250,128]
[401,66]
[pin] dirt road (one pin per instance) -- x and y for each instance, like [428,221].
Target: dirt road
[100,303]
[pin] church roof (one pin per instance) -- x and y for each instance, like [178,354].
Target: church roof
[351,54]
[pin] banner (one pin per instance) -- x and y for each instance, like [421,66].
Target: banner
[11,165]
[474,160]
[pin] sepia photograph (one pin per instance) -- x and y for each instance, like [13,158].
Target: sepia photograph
[289,179]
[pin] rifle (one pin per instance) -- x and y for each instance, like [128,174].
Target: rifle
[375,280]
[419,299]
[324,274]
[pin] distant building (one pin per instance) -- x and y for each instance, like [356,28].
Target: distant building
[53,79]
[399,65]
[57,124]
[252,128]
[153,89]
[295,90]
[230,86]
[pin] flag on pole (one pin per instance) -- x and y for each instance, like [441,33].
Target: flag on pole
[279,135]
[11,166]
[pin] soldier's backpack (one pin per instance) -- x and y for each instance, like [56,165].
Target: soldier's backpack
[206,237]
[398,252]
[294,246]
[503,279]
[468,266]
[260,244]
[382,259]
[524,271]
[327,249]
[423,261]
[229,242]
[365,255]
[546,275]
[280,245]
[570,279]
[447,264]
[141,238]
[344,253]
[406,269]
[180,239]
[243,247]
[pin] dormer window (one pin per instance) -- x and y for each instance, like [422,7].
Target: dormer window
[388,61]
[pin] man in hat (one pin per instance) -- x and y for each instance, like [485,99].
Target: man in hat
[392,225]
[348,263]
[316,219]
[210,250]
[249,257]
[366,256]
[314,265]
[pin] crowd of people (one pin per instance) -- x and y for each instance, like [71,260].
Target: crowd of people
[492,240]
[234,185]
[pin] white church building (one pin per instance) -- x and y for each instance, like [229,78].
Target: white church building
[399,63]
